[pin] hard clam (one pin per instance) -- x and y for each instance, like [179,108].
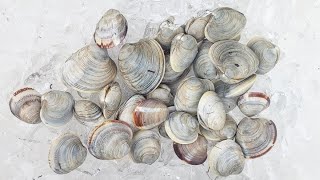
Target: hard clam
[252,103]
[225,23]
[189,93]
[256,136]
[196,25]
[66,154]
[194,153]
[110,140]
[211,112]
[182,128]
[184,49]
[25,104]
[229,103]
[162,93]
[89,69]
[145,147]
[56,108]
[268,54]
[162,130]
[110,99]
[87,112]
[226,158]
[111,29]
[142,65]
[170,76]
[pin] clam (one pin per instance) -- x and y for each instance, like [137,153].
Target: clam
[145,147]
[170,76]
[189,93]
[111,29]
[182,128]
[110,140]
[252,103]
[167,31]
[196,25]
[229,103]
[25,104]
[235,60]
[184,49]
[149,114]
[56,108]
[86,111]
[89,69]
[194,153]
[66,154]
[227,132]
[225,24]
[226,158]
[256,136]
[142,65]
[268,54]
[203,67]
[162,93]
[211,112]
[110,99]
[162,130]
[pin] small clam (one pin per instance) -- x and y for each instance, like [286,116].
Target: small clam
[189,93]
[211,112]
[225,24]
[89,69]
[235,60]
[252,103]
[256,136]
[194,153]
[142,65]
[86,111]
[56,108]
[184,49]
[66,154]
[268,54]
[111,29]
[196,25]
[226,158]
[110,140]
[25,104]
[167,31]
[149,114]
[227,132]
[162,93]
[170,76]
[145,147]
[110,99]
[162,130]
[182,128]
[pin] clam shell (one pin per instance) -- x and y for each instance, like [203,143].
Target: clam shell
[225,23]
[25,104]
[162,130]
[145,147]
[111,29]
[56,108]
[184,49]
[110,99]
[86,111]
[182,128]
[189,93]
[66,154]
[227,132]
[256,136]
[89,69]
[196,25]
[142,65]
[268,54]
[235,60]
[211,112]
[252,103]
[194,153]
[170,76]
[162,93]
[149,114]
[110,140]
[226,158]
[229,103]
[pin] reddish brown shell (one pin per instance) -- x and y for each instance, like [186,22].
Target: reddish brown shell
[252,103]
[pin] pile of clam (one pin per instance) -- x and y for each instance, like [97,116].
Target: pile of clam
[196,113]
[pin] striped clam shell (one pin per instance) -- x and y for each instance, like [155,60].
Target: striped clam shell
[196,25]
[110,99]
[86,111]
[252,103]
[171,76]
[162,93]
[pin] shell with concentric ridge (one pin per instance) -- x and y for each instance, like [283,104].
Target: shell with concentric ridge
[162,93]
[252,103]
[196,25]
[87,112]
[170,76]
[110,99]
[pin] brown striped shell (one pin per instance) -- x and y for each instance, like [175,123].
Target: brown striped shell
[252,103]
[110,99]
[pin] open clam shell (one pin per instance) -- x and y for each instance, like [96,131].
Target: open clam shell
[171,76]
[25,104]
[87,112]
[252,103]
[110,99]
[162,93]
[196,25]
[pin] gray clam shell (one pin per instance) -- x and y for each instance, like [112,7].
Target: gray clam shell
[162,93]
[171,76]
[87,112]
[110,99]
[252,103]
[196,25]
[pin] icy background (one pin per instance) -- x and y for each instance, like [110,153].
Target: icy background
[36,37]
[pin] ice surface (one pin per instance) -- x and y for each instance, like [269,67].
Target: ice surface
[37,36]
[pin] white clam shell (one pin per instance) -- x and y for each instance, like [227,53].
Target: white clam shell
[171,76]
[162,93]
[110,99]
[87,112]
[162,130]
[196,25]
[252,103]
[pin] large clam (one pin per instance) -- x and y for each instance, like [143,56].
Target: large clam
[89,69]
[66,154]
[142,65]
[252,103]
[110,99]
[25,104]
[196,25]
[87,112]
[162,93]
[171,76]
[111,29]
